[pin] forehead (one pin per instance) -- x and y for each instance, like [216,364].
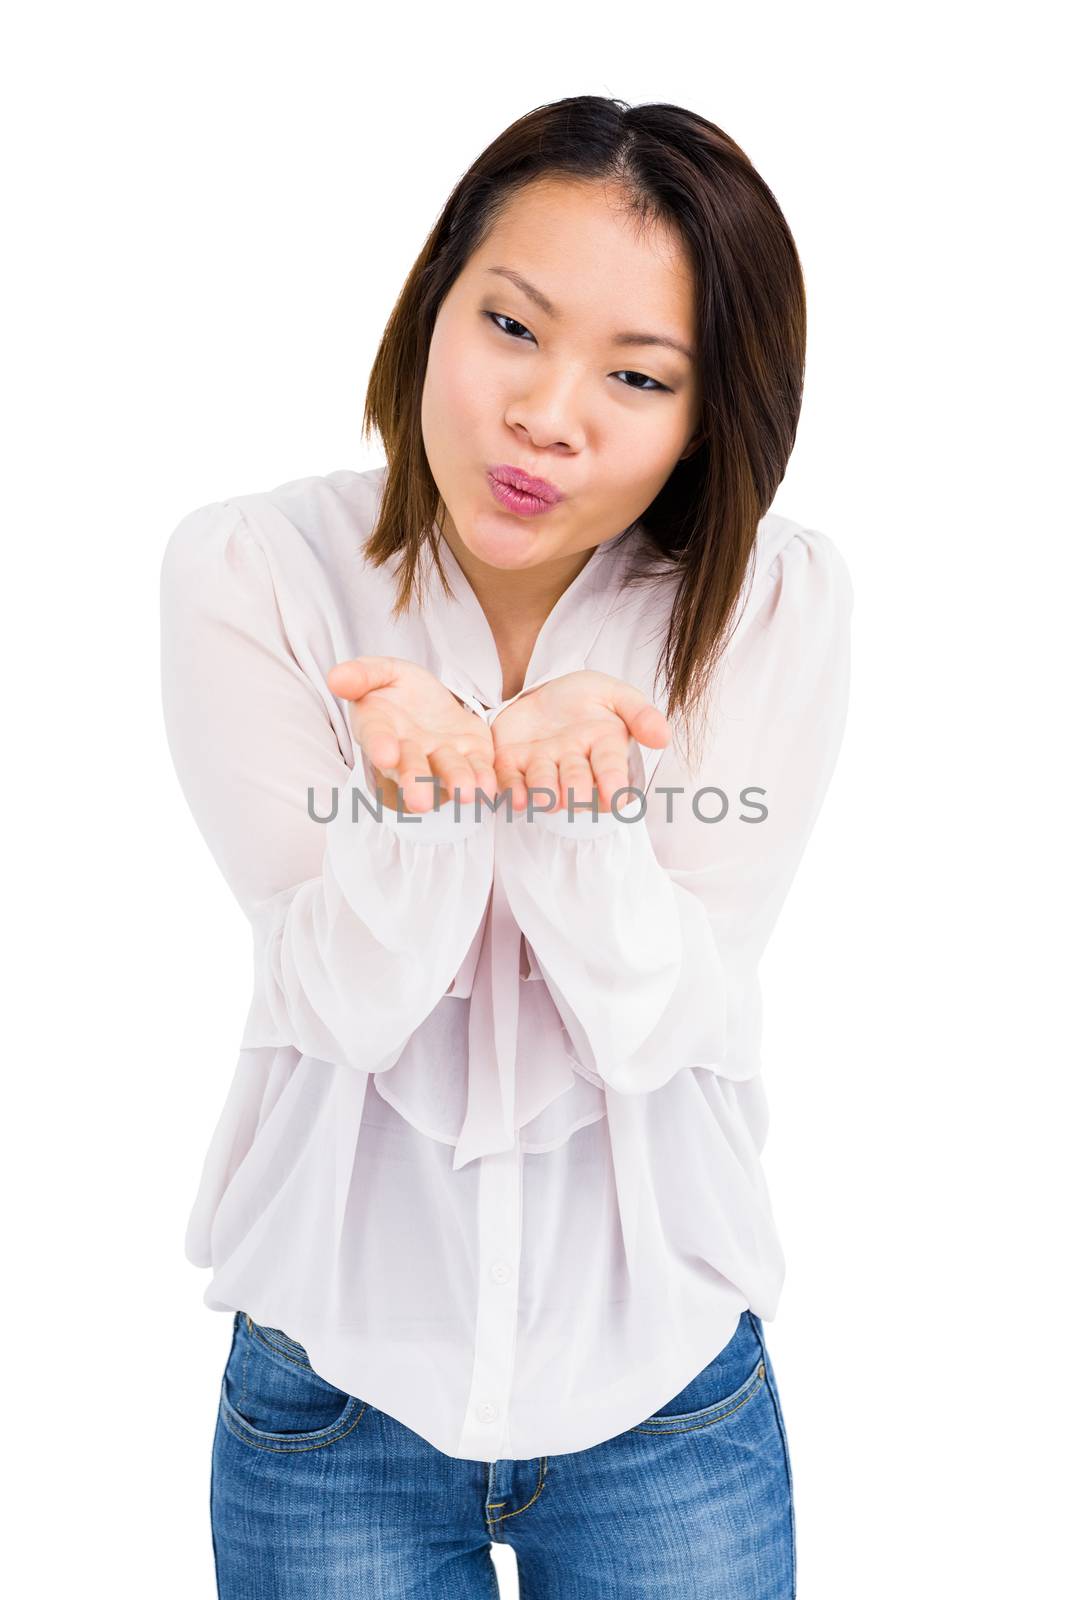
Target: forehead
[581,246]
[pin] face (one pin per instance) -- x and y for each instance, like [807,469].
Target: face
[537,378]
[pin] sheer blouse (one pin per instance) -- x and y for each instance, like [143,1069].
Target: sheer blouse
[491,1147]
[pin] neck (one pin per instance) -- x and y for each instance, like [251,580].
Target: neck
[516,604]
[517,598]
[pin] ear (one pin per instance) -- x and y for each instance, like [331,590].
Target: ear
[694,444]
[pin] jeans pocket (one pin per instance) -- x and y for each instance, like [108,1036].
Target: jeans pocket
[272,1398]
[719,1391]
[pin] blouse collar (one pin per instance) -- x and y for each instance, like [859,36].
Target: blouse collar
[467,661]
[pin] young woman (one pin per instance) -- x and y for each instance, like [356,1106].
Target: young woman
[509,751]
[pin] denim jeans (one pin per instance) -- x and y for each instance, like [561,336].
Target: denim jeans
[316,1495]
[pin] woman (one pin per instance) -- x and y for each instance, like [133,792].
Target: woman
[485,1200]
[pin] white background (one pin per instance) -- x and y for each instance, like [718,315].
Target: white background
[211,209]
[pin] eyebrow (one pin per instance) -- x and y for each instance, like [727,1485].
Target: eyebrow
[550,310]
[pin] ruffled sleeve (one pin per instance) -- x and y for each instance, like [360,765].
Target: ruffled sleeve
[359,925]
[648,926]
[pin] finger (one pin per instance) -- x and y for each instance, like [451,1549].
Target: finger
[412,764]
[576,780]
[457,772]
[541,773]
[609,760]
[352,679]
[508,773]
[645,721]
[447,767]
[484,777]
[380,743]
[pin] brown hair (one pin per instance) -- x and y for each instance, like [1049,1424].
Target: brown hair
[674,168]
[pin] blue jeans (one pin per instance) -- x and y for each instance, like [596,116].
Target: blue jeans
[317,1496]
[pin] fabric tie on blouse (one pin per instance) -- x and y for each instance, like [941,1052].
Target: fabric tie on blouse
[497,1106]
[500,1099]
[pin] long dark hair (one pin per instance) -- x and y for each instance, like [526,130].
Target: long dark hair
[676,168]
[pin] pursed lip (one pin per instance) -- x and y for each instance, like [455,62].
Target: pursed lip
[539,487]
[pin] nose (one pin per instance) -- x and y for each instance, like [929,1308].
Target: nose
[547,413]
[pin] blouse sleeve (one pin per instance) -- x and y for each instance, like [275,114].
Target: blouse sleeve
[649,926]
[359,925]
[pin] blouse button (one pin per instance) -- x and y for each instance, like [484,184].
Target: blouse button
[487,1411]
[500,1272]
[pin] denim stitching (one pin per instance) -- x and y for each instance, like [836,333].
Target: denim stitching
[211,1488]
[788,1472]
[542,1475]
[490,1486]
[244,1379]
[257,1333]
[709,1422]
[247,1438]
[291,1449]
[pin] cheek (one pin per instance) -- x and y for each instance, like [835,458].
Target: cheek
[458,385]
[638,463]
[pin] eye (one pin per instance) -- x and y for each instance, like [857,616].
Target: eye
[494,315]
[653,381]
[498,317]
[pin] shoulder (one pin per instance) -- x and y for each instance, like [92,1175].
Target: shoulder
[781,549]
[793,567]
[306,533]
[782,542]
[209,550]
[325,516]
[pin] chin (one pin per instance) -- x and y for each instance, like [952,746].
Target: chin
[505,541]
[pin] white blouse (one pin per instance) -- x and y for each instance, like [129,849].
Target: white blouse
[491,1151]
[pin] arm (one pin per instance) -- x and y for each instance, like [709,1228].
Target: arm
[358,926]
[649,932]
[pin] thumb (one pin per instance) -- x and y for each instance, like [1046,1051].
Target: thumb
[646,722]
[351,680]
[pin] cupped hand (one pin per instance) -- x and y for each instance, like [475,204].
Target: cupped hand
[571,736]
[411,727]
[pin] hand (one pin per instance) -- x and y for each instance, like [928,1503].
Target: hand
[572,735]
[410,726]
